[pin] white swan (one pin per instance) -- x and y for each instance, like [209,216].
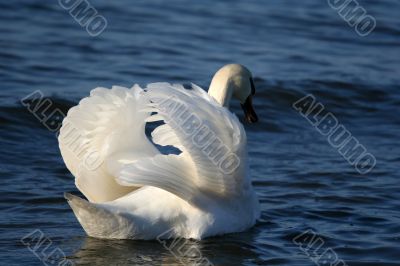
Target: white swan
[137,192]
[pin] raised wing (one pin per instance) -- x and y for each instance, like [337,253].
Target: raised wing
[212,141]
[101,134]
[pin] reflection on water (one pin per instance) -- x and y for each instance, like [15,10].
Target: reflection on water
[122,252]
[214,251]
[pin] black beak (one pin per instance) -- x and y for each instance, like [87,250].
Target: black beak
[248,109]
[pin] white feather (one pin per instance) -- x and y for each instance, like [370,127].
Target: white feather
[136,191]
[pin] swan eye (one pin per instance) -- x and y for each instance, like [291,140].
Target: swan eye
[253,88]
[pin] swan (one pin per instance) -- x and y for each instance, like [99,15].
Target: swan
[197,186]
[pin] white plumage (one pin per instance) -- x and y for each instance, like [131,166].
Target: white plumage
[137,192]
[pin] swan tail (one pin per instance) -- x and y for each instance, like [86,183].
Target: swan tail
[98,221]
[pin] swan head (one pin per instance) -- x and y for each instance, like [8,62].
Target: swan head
[236,81]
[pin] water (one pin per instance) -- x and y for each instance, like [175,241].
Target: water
[292,47]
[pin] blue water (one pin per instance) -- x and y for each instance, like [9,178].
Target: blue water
[292,47]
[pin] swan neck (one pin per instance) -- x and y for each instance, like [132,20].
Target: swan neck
[221,92]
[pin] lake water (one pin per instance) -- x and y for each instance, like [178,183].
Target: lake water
[293,48]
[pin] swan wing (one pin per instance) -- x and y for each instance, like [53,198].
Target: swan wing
[101,134]
[211,138]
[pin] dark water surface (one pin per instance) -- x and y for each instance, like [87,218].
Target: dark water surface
[292,47]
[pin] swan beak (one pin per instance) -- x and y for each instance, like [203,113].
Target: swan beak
[248,109]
